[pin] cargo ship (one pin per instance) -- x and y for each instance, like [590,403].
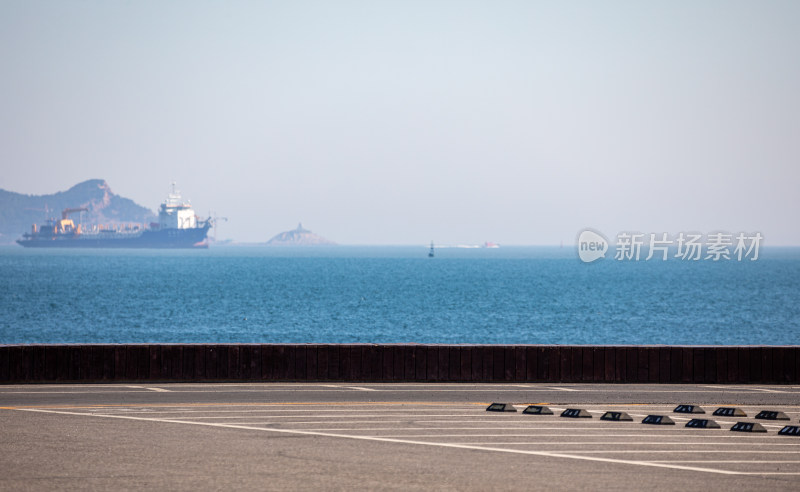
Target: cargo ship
[177,227]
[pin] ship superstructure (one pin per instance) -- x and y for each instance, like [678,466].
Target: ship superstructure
[176,214]
[177,227]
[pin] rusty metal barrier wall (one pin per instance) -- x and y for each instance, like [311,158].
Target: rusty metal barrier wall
[399,363]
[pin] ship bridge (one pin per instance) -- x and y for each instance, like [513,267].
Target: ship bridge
[175,213]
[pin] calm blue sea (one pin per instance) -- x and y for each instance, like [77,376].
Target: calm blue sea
[525,295]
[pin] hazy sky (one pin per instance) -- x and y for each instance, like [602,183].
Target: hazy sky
[398,122]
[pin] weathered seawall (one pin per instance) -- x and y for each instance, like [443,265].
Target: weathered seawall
[399,363]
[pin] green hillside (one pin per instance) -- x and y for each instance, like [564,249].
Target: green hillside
[18,212]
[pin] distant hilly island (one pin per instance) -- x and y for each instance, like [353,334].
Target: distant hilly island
[299,237]
[18,211]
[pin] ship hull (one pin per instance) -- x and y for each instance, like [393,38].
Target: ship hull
[194,238]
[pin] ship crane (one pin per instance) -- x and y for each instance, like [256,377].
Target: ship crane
[214,219]
[66,224]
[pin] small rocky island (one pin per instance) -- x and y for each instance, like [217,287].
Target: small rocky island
[299,237]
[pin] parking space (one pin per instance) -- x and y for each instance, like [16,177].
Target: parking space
[392,416]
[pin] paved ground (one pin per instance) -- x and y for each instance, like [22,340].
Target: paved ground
[387,436]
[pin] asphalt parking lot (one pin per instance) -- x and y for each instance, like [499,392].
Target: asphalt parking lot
[390,436]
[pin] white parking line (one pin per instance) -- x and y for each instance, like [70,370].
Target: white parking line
[721,461]
[414,387]
[344,418]
[636,443]
[357,388]
[116,392]
[744,388]
[383,411]
[682,451]
[548,454]
[162,390]
[606,435]
[348,416]
[359,429]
